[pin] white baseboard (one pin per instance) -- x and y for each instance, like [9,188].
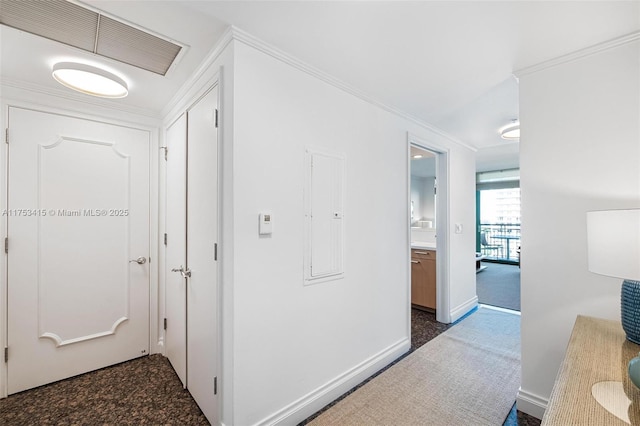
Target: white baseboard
[532,404]
[463,309]
[309,404]
[499,309]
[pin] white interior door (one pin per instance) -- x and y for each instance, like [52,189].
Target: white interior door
[78,214]
[176,286]
[202,236]
[192,234]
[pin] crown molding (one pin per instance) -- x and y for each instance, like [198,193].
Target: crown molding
[204,67]
[579,54]
[81,99]
[252,41]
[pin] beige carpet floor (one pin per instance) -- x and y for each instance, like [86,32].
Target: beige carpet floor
[469,375]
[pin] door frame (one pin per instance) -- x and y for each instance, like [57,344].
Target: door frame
[52,104]
[443,312]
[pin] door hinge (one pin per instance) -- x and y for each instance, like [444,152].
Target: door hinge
[215,385]
[6,135]
[166,149]
[165,323]
[6,354]
[6,244]
[165,238]
[215,251]
[216,118]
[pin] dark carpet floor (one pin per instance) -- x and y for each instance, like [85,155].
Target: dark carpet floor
[146,391]
[499,285]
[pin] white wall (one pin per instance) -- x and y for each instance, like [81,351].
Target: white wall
[423,198]
[424,208]
[416,197]
[428,199]
[580,151]
[293,345]
[462,211]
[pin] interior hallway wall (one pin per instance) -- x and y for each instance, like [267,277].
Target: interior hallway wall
[293,343]
[579,151]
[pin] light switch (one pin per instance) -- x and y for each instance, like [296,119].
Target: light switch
[458,228]
[266,224]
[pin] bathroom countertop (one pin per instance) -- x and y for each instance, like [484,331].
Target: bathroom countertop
[423,245]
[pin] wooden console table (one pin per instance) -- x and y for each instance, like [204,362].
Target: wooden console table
[598,353]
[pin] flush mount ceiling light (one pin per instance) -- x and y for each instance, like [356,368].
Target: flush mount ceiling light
[90,80]
[511,132]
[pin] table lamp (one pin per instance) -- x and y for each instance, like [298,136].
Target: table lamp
[613,243]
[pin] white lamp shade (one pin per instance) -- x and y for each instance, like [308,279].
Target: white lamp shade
[613,241]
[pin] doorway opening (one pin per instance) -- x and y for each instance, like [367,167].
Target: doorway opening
[498,238]
[428,230]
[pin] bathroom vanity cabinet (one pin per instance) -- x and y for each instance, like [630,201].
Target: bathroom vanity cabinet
[423,278]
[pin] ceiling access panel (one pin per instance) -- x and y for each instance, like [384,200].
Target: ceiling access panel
[74,25]
[59,21]
[132,46]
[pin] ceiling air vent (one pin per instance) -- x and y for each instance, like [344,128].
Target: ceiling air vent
[77,26]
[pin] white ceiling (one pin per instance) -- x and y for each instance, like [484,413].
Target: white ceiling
[448,63]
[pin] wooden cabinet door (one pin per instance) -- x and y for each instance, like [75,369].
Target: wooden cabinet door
[423,278]
[418,277]
[429,284]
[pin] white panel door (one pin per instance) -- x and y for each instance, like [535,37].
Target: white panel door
[326,215]
[202,235]
[78,214]
[176,286]
[324,204]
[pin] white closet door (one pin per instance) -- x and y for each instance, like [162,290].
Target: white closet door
[202,236]
[176,285]
[192,234]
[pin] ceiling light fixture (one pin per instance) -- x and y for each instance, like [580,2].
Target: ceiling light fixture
[417,156]
[511,132]
[90,80]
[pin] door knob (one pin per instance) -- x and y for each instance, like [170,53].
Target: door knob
[140,261]
[185,273]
